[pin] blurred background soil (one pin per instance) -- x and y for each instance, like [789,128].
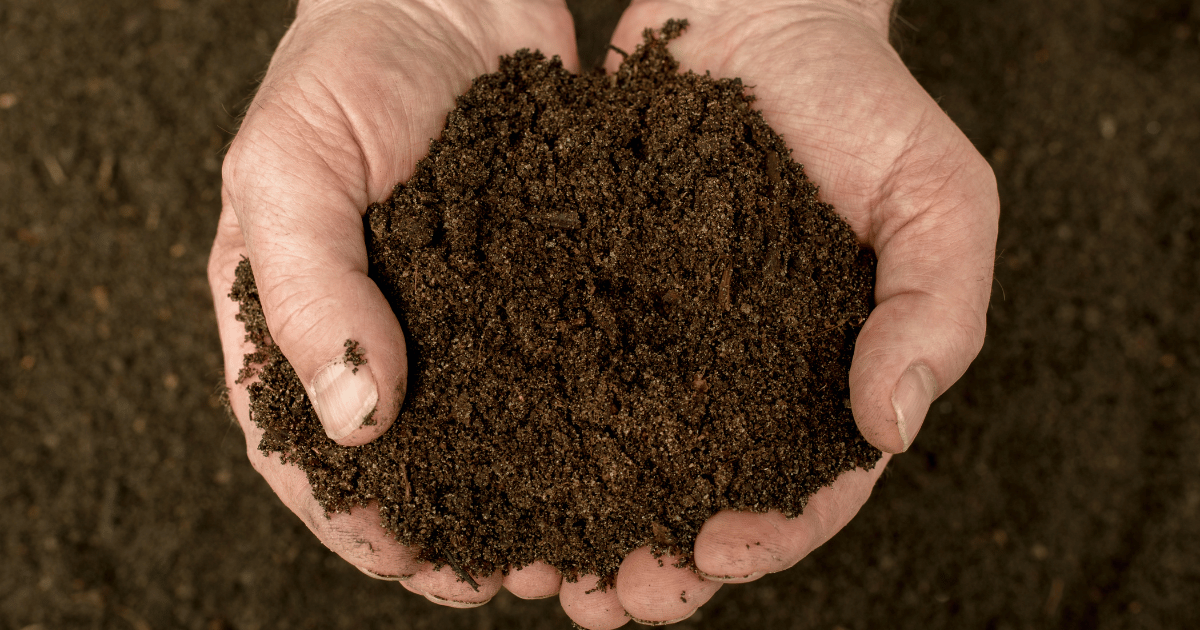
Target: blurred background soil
[1056,486]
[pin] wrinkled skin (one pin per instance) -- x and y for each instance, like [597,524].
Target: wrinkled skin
[353,95]
[340,118]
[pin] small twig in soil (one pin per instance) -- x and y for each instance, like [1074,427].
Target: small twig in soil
[564,220]
[462,575]
[723,291]
[774,264]
[407,485]
[842,323]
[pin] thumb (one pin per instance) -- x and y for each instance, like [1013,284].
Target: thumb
[935,242]
[303,231]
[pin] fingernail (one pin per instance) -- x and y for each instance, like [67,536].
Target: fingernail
[535,597]
[662,623]
[914,393]
[344,396]
[454,603]
[381,576]
[732,579]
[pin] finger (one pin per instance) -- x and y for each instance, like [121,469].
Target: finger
[535,581]
[743,546]
[627,36]
[655,591]
[444,587]
[357,537]
[303,231]
[591,607]
[936,244]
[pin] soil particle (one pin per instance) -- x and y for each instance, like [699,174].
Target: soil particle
[626,310]
[354,355]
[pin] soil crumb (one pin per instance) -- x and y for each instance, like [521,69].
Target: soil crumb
[626,310]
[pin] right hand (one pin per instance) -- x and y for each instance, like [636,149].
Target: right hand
[911,186]
[352,97]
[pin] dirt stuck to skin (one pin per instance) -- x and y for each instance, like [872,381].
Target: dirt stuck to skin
[626,310]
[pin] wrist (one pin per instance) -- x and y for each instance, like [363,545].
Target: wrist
[481,29]
[875,14]
[303,6]
[307,6]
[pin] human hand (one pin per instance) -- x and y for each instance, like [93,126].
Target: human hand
[909,184]
[352,97]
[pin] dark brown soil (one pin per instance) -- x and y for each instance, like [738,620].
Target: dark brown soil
[1055,486]
[626,310]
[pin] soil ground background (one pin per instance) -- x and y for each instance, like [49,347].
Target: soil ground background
[1056,486]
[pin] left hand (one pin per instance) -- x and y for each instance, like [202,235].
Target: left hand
[910,185]
[353,94]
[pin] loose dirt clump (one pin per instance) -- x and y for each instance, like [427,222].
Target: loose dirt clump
[626,309]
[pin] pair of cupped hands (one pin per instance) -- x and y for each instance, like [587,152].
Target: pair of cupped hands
[352,97]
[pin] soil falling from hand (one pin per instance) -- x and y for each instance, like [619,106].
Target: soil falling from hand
[626,310]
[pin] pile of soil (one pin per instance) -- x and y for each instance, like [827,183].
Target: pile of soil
[626,310]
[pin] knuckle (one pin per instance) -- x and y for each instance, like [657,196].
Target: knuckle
[235,156]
